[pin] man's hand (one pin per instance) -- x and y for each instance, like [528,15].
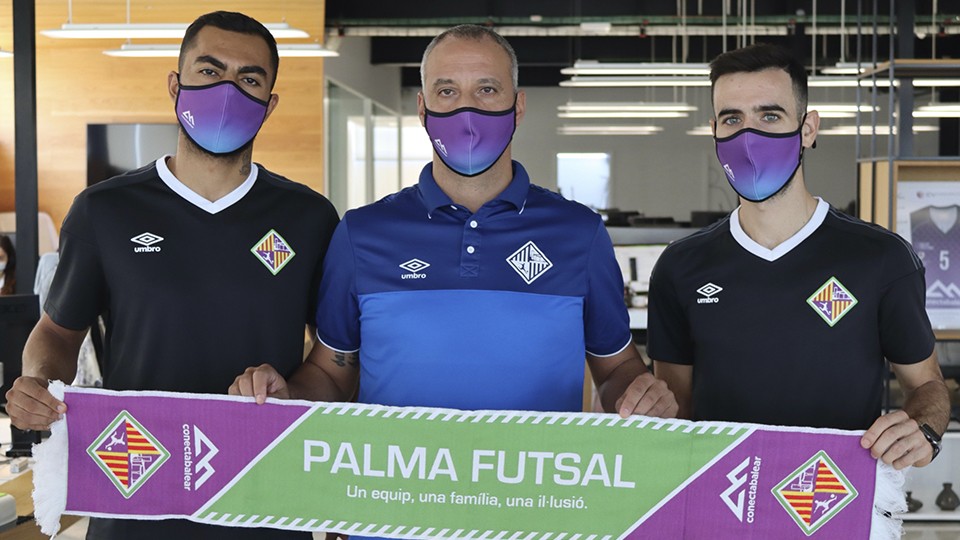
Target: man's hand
[260,382]
[897,440]
[648,396]
[31,406]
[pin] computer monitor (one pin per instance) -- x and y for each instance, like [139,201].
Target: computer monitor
[19,313]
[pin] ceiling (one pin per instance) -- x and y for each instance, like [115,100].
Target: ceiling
[552,34]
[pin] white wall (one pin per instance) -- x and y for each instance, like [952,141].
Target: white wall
[353,70]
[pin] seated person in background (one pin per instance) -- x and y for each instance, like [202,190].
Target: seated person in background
[8,266]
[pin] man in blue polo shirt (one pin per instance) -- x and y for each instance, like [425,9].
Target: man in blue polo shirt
[473,289]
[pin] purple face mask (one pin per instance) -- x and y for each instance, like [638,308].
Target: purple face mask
[469,140]
[757,163]
[219,117]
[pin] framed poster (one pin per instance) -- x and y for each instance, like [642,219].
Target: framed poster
[928,216]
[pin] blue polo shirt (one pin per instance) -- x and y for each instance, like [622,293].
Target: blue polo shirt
[488,310]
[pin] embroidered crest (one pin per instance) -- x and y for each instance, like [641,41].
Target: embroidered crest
[127,453]
[273,251]
[529,262]
[815,493]
[832,301]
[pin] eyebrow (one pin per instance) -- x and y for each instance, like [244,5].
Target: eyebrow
[761,108]
[492,81]
[207,59]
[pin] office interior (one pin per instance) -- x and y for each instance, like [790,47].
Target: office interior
[631,138]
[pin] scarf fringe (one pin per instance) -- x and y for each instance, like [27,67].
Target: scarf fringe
[50,473]
[889,503]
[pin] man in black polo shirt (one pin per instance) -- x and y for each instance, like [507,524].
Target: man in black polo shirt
[201,264]
[784,312]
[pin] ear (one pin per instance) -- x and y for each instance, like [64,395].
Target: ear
[421,108]
[810,128]
[713,126]
[521,105]
[173,85]
[271,105]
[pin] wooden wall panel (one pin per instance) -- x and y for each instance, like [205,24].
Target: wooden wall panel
[77,84]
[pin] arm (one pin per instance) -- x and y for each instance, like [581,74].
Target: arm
[896,437]
[626,386]
[679,379]
[50,353]
[326,375]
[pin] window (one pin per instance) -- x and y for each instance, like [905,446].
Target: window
[585,178]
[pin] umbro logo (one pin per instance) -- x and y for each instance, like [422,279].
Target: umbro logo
[415,267]
[146,241]
[708,291]
[188,118]
[440,146]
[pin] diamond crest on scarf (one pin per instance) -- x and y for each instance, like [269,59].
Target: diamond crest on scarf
[529,262]
[814,493]
[127,453]
[273,251]
[832,301]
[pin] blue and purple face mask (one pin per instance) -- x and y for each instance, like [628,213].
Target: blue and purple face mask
[470,140]
[219,117]
[759,164]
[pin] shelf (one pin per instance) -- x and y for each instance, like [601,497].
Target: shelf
[932,515]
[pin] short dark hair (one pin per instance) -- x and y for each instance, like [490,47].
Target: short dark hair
[232,22]
[759,57]
[475,32]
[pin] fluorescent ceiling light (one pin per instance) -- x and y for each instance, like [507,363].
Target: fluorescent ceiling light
[624,114]
[608,130]
[582,67]
[613,106]
[868,130]
[624,110]
[701,130]
[149,31]
[947,108]
[128,50]
[844,68]
[609,82]
[936,114]
[838,107]
[6,54]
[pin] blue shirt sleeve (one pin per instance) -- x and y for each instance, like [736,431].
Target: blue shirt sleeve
[605,319]
[338,310]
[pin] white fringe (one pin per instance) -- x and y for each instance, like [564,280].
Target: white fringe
[50,473]
[889,503]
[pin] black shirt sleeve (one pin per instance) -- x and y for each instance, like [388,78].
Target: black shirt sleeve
[78,293]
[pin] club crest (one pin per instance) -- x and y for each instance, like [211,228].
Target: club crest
[815,492]
[273,251]
[127,453]
[832,301]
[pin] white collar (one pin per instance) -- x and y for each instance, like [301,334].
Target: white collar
[784,247]
[191,196]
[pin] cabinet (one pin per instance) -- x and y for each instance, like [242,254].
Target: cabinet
[926,483]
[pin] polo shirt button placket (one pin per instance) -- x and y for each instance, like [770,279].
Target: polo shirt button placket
[470,256]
